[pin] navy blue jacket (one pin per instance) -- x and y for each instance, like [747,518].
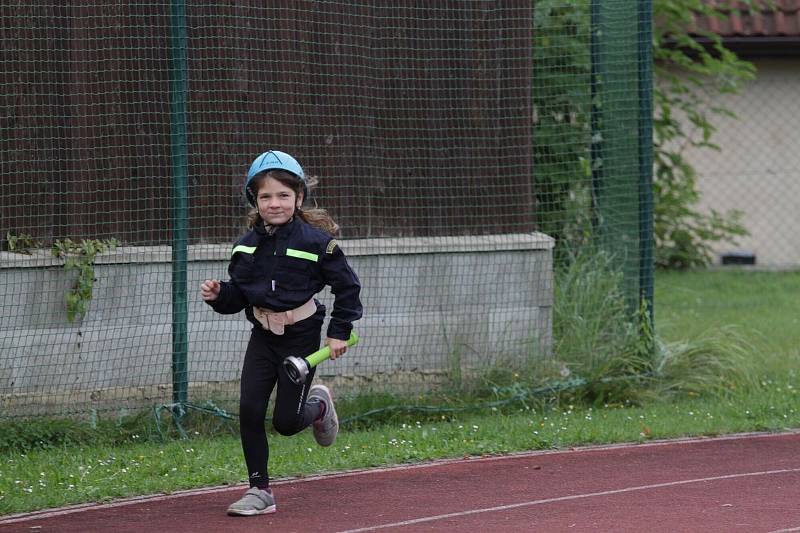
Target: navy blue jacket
[284,270]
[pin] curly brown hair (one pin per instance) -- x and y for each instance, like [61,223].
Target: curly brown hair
[317,217]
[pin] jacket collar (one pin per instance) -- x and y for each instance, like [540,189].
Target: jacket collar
[282,231]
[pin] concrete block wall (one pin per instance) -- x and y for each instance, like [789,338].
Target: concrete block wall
[429,304]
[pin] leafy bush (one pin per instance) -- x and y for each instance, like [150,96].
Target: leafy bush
[562,107]
[690,77]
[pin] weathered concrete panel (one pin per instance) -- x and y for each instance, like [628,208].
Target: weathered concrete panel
[429,304]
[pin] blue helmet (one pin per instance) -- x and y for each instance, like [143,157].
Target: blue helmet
[273,160]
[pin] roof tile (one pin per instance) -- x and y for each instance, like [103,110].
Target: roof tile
[770,18]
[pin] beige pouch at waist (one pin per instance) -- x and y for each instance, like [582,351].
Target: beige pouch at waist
[276,320]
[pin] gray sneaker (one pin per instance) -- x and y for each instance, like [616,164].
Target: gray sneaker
[255,501]
[327,427]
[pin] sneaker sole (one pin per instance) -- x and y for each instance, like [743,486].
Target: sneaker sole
[335,418]
[269,510]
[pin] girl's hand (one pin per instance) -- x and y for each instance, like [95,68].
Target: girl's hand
[209,289]
[338,347]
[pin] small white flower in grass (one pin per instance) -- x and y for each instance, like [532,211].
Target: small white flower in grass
[308,450]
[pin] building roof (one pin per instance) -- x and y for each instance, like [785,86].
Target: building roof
[770,19]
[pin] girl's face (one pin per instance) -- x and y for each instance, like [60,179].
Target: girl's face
[276,202]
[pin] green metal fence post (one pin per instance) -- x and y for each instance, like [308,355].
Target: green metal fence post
[596,146]
[646,265]
[619,138]
[178,83]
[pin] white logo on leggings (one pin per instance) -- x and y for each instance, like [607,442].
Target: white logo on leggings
[302,393]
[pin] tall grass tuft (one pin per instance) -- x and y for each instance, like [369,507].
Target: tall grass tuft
[612,349]
[717,362]
[595,335]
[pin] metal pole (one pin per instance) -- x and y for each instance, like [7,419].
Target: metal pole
[596,146]
[180,210]
[646,237]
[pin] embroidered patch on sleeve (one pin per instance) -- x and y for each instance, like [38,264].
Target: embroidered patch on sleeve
[331,246]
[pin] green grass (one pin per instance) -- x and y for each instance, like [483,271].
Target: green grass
[763,306]
[70,466]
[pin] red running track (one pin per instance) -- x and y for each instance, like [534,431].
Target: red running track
[738,483]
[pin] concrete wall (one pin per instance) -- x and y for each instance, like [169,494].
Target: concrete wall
[429,304]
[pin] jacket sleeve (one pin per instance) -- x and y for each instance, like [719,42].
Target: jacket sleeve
[346,290]
[230,299]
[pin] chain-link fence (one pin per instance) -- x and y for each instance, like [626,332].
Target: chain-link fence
[756,170]
[468,152]
[735,136]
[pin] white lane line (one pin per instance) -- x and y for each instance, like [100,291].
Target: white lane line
[786,530]
[568,498]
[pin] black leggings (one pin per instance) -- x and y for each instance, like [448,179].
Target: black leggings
[262,369]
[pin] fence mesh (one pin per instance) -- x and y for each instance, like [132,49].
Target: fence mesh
[468,151]
[754,172]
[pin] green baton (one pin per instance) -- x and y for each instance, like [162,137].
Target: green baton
[298,368]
